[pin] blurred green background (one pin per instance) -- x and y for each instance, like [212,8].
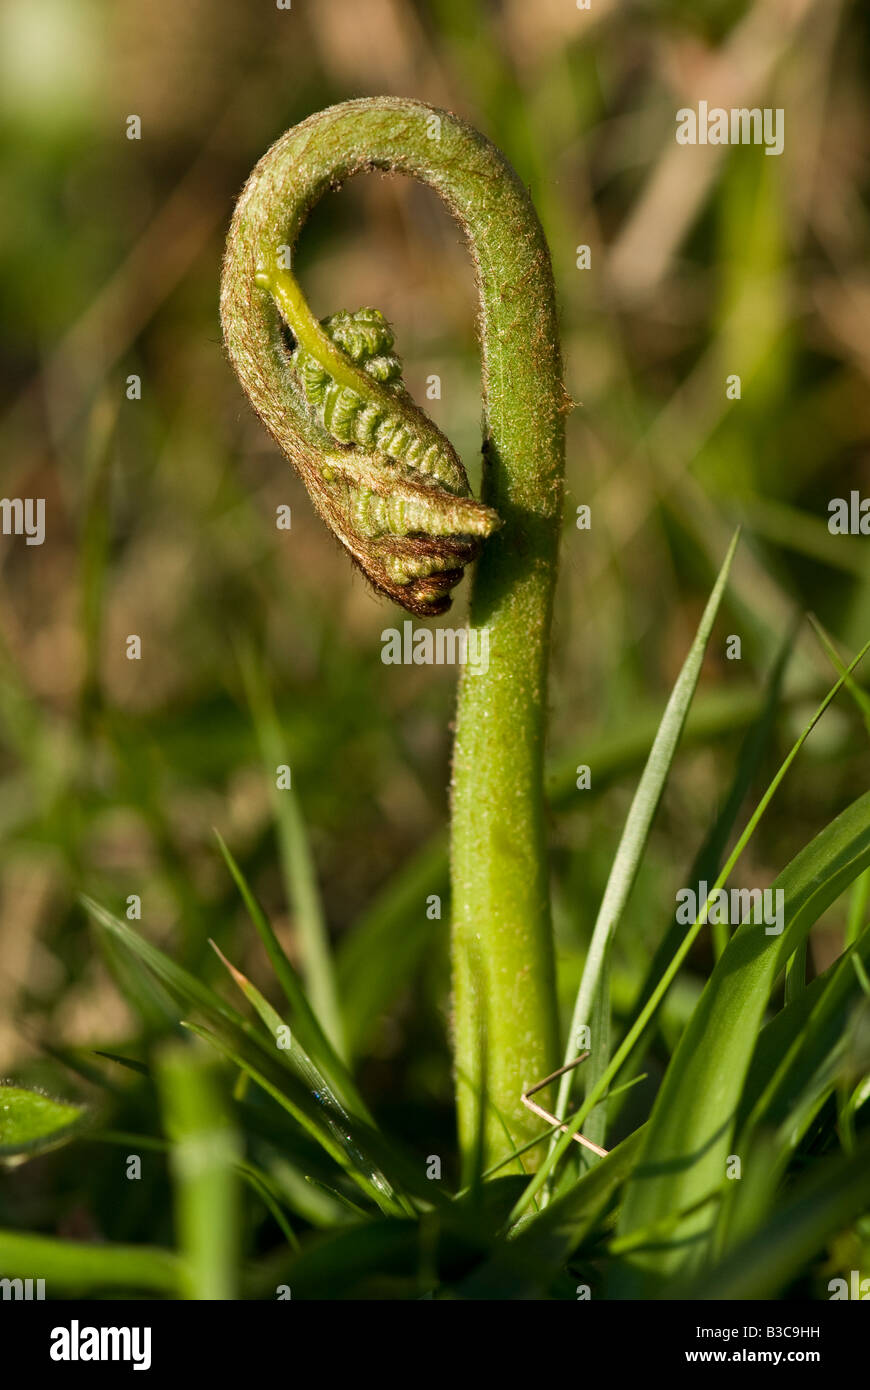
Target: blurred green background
[160,512]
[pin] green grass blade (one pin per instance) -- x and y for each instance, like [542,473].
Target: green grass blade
[322,1209]
[297,864]
[690,1132]
[708,860]
[259,1184]
[95,544]
[823,1031]
[595,1128]
[353,1262]
[861,891]
[306,1025]
[183,985]
[74,1267]
[258,1181]
[714,714]
[859,695]
[796,974]
[779,1036]
[636,1031]
[858,900]
[289,1049]
[805,534]
[338,1144]
[386,946]
[637,826]
[376,959]
[204,1151]
[272,1070]
[801,1057]
[795,979]
[525,1265]
[825,1201]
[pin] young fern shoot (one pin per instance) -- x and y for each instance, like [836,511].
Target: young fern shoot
[396,494]
[392,489]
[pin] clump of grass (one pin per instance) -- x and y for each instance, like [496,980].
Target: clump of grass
[781,1086]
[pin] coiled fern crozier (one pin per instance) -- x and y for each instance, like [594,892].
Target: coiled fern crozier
[391,488]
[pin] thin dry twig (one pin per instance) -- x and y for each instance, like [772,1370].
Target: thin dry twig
[545,1114]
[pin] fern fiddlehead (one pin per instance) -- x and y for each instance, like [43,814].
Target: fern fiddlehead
[391,488]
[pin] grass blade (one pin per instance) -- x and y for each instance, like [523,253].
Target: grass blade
[204,1150]
[297,864]
[184,986]
[387,944]
[708,860]
[858,812]
[290,1049]
[637,827]
[338,1144]
[306,1024]
[831,1196]
[74,1267]
[524,1266]
[859,695]
[690,1132]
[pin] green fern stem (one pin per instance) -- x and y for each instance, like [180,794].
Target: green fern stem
[390,486]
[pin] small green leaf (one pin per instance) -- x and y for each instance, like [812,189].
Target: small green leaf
[31,1122]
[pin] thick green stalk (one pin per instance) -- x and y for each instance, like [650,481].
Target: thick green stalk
[204,1153]
[412,534]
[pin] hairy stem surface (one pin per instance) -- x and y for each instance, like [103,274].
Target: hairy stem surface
[505,1024]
